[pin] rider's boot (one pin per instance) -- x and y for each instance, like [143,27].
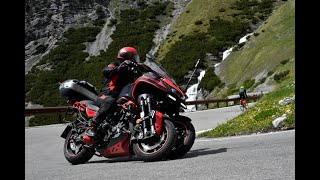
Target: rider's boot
[92,131]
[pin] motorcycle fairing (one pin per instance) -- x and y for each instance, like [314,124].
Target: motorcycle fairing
[149,80]
[126,92]
[118,147]
[172,85]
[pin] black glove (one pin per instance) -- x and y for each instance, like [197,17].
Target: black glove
[126,66]
[129,63]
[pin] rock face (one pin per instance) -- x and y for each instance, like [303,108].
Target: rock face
[46,20]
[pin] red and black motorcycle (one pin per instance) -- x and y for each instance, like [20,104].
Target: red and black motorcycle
[144,121]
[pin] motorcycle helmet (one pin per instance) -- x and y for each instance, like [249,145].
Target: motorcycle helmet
[241,87]
[128,53]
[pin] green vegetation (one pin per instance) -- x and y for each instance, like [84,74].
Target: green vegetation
[259,117]
[210,81]
[261,81]
[248,83]
[279,76]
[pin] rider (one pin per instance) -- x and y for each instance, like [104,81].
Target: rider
[116,77]
[242,94]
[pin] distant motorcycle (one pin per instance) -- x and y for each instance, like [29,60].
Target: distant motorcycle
[144,121]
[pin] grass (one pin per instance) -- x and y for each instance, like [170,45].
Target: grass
[259,117]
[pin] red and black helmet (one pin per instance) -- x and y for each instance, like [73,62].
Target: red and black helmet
[128,53]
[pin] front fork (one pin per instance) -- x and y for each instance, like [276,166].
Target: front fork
[147,115]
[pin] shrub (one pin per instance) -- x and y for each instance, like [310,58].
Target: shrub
[141,3]
[101,14]
[270,73]
[284,61]
[210,80]
[222,10]
[198,22]
[279,76]
[241,44]
[231,89]
[99,22]
[248,83]
[262,80]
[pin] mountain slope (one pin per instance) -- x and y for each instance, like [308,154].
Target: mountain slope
[274,43]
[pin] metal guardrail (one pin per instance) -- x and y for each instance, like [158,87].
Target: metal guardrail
[64,109]
[234,100]
[46,110]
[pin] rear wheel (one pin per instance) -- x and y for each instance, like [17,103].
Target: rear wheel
[74,150]
[159,148]
[243,105]
[186,135]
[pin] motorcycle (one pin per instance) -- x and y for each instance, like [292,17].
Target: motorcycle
[144,121]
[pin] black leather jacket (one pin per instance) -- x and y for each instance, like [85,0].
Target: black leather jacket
[115,79]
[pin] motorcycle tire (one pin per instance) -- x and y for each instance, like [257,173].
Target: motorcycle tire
[186,135]
[81,157]
[160,149]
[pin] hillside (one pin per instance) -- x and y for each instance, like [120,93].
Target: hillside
[270,49]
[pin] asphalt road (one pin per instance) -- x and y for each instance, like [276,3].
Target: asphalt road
[208,119]
[260,156]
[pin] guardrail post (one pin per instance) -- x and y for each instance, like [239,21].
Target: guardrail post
[60,121]
[196,106]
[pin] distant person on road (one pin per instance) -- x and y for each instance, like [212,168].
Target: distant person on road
[242,94]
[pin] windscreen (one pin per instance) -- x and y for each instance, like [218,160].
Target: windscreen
[151,62]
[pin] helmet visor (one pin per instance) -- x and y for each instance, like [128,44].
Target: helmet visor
[136,58]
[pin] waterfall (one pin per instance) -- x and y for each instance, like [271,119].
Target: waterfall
[228,51]
[244,38]
[192,92]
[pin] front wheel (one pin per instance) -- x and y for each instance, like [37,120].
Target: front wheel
[185,139]
[74,150]
[159,148]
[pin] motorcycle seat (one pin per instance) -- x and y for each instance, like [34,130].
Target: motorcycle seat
[90,105]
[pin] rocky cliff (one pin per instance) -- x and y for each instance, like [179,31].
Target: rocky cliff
[46,20]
